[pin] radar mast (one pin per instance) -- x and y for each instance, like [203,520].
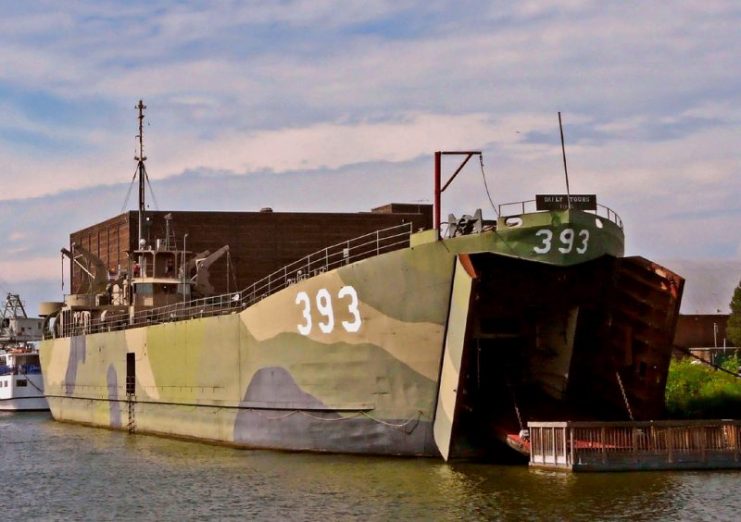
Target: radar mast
[141,171]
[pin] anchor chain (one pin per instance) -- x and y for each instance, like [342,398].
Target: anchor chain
[514,403]
[625,396]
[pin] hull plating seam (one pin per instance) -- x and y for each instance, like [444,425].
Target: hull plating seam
[360,408]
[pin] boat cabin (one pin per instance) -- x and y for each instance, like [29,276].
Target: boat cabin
[159,277]
[21,329]
[19,361]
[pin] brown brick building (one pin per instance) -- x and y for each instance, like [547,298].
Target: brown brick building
[259,242]
[708,291]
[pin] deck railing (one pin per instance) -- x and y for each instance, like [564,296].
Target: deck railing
[346,252]
[517,208]
[636,445]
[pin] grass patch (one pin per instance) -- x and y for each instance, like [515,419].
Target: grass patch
[698,391]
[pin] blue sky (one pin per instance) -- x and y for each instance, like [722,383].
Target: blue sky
[338,106]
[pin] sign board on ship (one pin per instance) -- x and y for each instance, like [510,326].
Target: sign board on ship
[561,201]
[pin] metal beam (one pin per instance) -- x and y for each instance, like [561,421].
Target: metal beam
[438,190]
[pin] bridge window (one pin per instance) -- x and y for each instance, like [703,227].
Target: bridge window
[145,289]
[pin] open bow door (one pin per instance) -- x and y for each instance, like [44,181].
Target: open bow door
[455,341]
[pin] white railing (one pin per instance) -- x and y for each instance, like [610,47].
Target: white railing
[636,444]
[362,247]
[518,208]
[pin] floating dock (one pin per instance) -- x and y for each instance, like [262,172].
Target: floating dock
[629,446]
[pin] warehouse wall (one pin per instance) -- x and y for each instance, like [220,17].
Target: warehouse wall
[259,242]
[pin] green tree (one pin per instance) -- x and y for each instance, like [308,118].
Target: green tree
[697,391]
[733,330]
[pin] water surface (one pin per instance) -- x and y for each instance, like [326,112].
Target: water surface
[56,471]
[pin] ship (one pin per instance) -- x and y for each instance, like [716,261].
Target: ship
[443,342]
[21,385]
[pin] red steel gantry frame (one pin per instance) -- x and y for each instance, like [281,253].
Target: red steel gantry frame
[438,191]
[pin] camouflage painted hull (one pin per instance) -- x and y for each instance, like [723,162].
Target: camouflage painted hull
[384,355]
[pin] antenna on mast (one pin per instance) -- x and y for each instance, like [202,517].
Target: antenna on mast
[565,170]
[141,170]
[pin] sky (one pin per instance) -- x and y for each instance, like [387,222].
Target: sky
[339,105]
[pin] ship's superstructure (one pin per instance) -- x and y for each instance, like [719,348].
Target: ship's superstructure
[395,342]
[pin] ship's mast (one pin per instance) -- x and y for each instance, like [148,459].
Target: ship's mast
[142,171]
[565,170]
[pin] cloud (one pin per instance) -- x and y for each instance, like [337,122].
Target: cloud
[334,104]
[28,269]
[324,145]
[312,54]
[333,145]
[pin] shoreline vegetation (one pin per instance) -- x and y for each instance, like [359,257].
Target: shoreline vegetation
[698,391]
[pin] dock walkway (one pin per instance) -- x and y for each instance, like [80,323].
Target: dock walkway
[622,446]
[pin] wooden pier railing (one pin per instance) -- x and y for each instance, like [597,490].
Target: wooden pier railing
[613,446]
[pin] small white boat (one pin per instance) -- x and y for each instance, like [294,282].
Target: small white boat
[21,384]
